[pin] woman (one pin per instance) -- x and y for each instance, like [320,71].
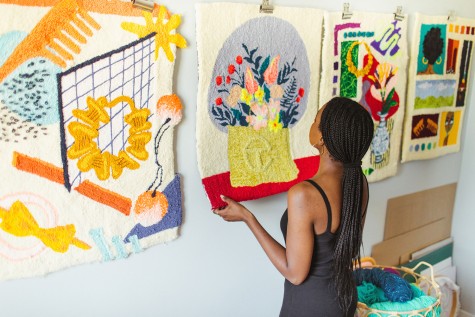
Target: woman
[323,223]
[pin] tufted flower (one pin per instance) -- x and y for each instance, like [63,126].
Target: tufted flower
[164,28]
[276,92]
[271,73]
[234,95]
[246,97]
[249,81]
[260,95]
[274,108]
[258,119]
[150,209]
[275,125]
[384,80]
[169,107]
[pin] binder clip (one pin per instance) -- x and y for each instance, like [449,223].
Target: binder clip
[266,7]
[398,15]
[144,4]
[347,14]
[451,17]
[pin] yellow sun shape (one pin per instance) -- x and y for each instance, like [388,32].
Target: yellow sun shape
[87,151]
[162,30]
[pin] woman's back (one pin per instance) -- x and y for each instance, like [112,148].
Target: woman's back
[316,296]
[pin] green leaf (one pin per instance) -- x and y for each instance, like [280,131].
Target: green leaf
[236,113]
[368,171]
[267,93]
[264,65]
[391,94]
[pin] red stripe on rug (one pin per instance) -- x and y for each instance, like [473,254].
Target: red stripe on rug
[220,184]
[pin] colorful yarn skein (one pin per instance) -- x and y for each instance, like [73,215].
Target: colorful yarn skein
[395,288]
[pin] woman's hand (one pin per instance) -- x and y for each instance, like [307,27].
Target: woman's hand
[234,211]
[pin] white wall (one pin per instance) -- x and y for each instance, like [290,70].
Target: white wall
[464,219]
[217,268]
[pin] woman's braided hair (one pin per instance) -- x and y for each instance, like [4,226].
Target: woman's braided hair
[347,131]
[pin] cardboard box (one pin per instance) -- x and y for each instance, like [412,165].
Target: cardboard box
[409,212]
[413,222]
[397,250]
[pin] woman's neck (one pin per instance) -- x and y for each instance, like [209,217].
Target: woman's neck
[329,166]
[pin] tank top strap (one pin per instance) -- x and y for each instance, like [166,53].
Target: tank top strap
[327,204]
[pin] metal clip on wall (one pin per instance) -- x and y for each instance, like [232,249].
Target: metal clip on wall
[398,15]
[143,4]
[266,7]
[347,14]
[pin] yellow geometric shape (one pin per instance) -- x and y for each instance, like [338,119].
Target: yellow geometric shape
[19,222]
[88,152]
[137,145]
[98,161]
[162,29]
[93,115]
[137,120]
[259,156]
[118,163]
[83,136]
[351,66]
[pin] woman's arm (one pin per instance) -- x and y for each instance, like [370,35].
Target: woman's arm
[293,262]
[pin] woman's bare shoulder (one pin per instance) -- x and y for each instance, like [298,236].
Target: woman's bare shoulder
[304,196]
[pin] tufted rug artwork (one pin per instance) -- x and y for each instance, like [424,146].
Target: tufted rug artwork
[257,98]
[87,116]
[364,58]
[439,77]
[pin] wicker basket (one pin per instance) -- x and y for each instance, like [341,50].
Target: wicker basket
[428,285]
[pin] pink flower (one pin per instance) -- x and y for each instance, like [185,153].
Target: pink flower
[234,95]
[219,80]
[258,119]
[276,91]
[271,73]
[274,108]
[250,83]
[384,80]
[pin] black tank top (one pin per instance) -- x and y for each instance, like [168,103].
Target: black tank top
[324,243]
[316,296]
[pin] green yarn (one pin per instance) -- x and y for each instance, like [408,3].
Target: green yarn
[374,298]
[369,294]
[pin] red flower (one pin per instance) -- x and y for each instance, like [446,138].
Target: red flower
[219,101]
[239,59]
[228,80]
[219,80]
[298,99]
[301,92]
[231,69]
